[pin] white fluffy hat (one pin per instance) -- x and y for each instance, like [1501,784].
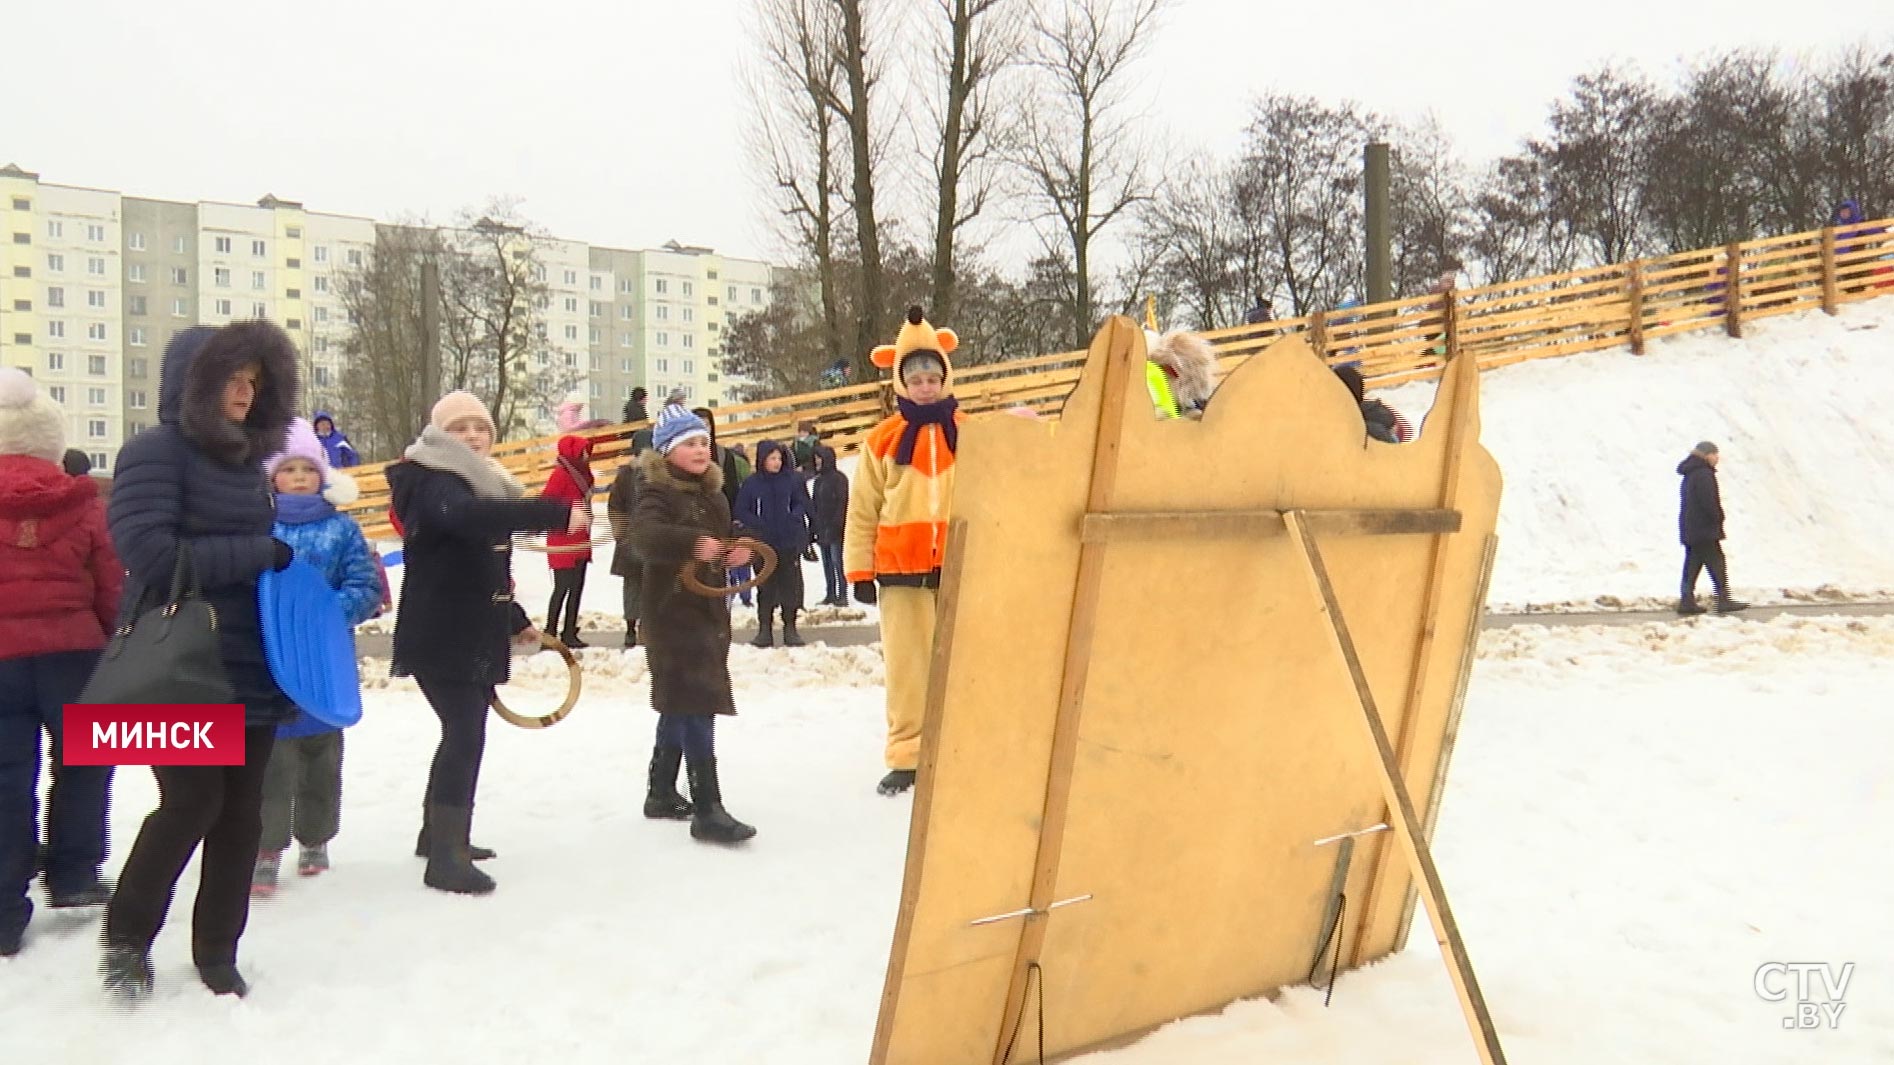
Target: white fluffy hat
[30,423]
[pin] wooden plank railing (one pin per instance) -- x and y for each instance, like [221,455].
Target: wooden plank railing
[1392,343]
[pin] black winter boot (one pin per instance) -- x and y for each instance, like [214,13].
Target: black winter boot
[661,800]
[1726,605]
[765,629]
[710,822]
[631,634]
[223,979]
[896,782]
[449,865]
[1689,607]
[479,854]
[126,971]
[791,638]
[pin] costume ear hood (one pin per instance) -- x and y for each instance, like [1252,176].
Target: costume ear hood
[917,337]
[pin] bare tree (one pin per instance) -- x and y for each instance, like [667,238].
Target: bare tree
[860,77]
[981,39]
[1432,208]
[1596,159]
[383,389]
[1079,152]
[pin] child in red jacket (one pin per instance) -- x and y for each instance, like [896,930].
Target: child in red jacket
[59,587]
[569,483]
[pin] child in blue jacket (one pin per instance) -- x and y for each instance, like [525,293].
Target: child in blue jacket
[304,780]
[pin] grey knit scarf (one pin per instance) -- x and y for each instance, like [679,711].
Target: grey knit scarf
[489,480]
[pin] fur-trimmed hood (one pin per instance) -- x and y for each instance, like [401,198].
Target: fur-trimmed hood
[197,364]
[659,473]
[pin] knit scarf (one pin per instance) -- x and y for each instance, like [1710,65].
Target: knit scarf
[292,509]
[438,451]
[940,412]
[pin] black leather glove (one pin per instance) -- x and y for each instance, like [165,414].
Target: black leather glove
[865,593]
[281,555]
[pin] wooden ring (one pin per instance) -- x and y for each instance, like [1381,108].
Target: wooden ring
[687,576]
[537,544]
[573,684]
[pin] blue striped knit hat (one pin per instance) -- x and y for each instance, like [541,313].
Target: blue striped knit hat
[674,431]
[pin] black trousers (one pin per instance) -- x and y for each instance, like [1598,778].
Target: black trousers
[783,590]
[634,585]
[462,707]
[568,586]
[1699,557]
[220,807]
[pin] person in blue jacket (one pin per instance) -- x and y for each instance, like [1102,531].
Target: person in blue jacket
[303,784]
[335,445]
[196,481]
[773,505]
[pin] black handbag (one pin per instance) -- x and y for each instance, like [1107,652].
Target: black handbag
[168,654]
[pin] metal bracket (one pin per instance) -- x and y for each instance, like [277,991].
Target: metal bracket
[1027,912]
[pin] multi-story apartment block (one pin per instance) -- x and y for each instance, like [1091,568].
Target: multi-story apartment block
[94,284]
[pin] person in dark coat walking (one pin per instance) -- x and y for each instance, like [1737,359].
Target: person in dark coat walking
[59,592]
[619,504]
[195,482]
[457,509]
[829,523]
[634,407]
[1700,527]
[773,506]
[682,518]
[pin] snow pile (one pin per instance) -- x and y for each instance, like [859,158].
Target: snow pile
[1589,446]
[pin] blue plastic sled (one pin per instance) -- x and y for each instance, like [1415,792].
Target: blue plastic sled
[309,646]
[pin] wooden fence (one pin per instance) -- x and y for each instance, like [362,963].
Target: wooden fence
[1627,304]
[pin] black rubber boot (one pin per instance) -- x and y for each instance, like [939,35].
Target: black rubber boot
[791,638]
[1726,605]
[223,979]
[95,893]
[710,822]
[572,642]
[631,634]
[765,629]
[126,971]
[449,866]
[896,782]
[1688,607]
[479,854]
[661,800]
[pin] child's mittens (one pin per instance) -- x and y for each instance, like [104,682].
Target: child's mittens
[281,555]
[865,592]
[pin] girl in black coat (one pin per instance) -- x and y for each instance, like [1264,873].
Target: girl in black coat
[828,521]
[196,481]
[773,505]
[457,509]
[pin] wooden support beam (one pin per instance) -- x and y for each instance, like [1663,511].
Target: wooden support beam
[1634,284]
[1114,526]
[1830,299]
[1733,290]
[1405,822]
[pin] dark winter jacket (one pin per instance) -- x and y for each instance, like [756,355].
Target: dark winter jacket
[341,453]
[727,461]
[1700,519]
[570,483]
[829,499]
[197,479]
[59,578]
[686,636]
[634,408]
[457,612]
[774,507]
[620,503]
[1381,420]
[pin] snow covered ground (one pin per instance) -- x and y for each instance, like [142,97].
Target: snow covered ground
[1638,817]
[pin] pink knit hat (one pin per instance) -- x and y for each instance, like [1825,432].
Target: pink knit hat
[301,443]
[454,406]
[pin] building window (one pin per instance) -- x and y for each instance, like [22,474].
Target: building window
[137,336]
[293,232]
[624,341]
[689,366]
[690,391]
[596,390]
[22,271]
[22,305]
[55,229]
[294,264]
[258,281]
[180,308]
[95,298]
[624,312]
[572,277]
[322,345]
[355,256]
[133,428]
[135,399]
[756,295]
[714,327]
[322,377]
[294,294]
[58,392]
[293,323]
[664,365]
[731,293]
[222,244]
[95,266]
[690,340]
[690,314]
[539,330]
[180,276]
[710,275]
[597,309]
[664,340]
[55,329]
[663,286]
[23,339]
[22,204]
[55,264]
[572,305]
[259,249]
[135,367]
[222,307]
[22,238]
[712,300]
[180,245]
[598,363]
[572,361]
[220,276]
[322,314]
[95,234]
[543,303]
[135,241]
[688,288]
[55,361]
[624,365]
[95,428]
[95,364]
[258,310]
[95,397]
[55,297]
[595,334]
[625,286]
[598,283]
[322,253]
[572,332]
[664,313]
[99,460]
[137,305]
[322,283]
[135,273]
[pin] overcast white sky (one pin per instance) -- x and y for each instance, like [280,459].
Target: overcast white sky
[620,121]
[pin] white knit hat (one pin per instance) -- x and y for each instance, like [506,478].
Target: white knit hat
[30,423]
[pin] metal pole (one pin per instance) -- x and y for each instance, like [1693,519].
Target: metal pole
[1380,245]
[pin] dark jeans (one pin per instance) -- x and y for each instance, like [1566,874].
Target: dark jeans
[303,789]
[694,734]
[568,586]
[783,590]
[1697,558]
[462,707]
[32,692]
[220,807]
[834,580]
[634,585]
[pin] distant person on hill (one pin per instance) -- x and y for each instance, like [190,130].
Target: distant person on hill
[1700,527]
[1384,422]
[1260,312]
[341,453]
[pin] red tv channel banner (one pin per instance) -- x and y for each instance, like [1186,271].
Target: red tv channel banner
[104,734]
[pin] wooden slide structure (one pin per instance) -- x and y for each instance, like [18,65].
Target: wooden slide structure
[1192,699]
